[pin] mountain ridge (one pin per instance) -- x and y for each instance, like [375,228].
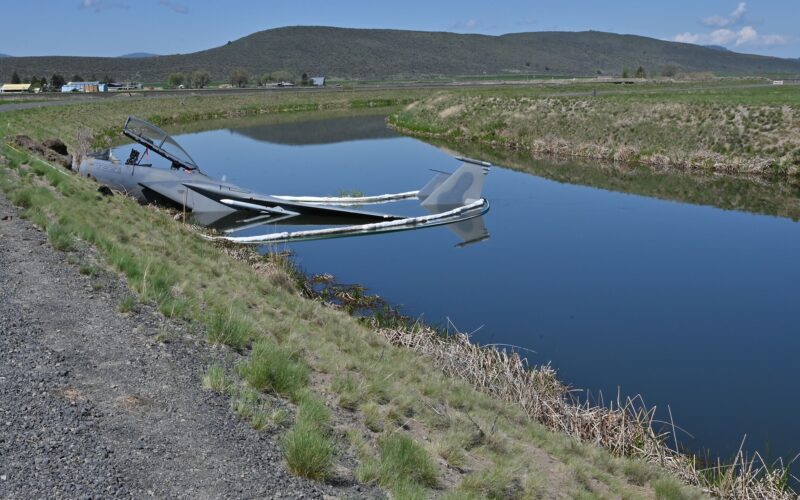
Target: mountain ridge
[392,54]
[137,55]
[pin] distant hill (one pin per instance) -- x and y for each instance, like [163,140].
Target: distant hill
[137,55]
[5,55]
[717,47]
[382,54]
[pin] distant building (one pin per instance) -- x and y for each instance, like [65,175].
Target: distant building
[15,87]
[777,82]
[318,81]
[85,87]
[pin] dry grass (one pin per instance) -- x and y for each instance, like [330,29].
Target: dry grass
[744,133]
[626,428]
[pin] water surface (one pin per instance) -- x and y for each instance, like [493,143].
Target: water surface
[690,305]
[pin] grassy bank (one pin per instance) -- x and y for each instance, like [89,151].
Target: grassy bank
[710,128]
[104,118]
[729,192]
[349,391]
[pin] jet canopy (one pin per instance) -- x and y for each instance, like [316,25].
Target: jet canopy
[152,137]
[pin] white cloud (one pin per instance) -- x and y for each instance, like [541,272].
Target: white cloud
[770,40]
[686,38]
[747,35]
[723,21]
[731,31]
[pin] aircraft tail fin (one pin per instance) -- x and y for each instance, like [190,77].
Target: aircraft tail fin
[462,187]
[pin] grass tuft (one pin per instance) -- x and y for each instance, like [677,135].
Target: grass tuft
[496,483]
[638,473]
[372,417]
[60,238]
[275,368]
[307,447]
[215,379]
[400,461]
[88,270]
[668,488]
[127,304]
[226,328]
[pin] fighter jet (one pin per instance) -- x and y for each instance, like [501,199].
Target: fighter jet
[449,198]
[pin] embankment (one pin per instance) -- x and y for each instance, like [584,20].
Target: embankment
[742,131]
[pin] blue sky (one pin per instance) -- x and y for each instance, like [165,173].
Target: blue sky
[115,27]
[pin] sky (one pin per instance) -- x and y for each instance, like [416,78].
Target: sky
[116,27]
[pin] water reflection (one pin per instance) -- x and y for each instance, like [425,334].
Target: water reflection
[332,130]
[468,226]
[755,195]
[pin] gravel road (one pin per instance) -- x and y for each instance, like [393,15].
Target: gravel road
[92,404]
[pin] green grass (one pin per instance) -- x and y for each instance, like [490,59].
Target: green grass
[639,473]
[275,368]
[88,270]
[452,448]
[246,402]
[60,238]
[127,304]
[495,484]
[669,488]
[15,101]
[228,328]
[307,447]
[105,117]
[402,464]
[215,379]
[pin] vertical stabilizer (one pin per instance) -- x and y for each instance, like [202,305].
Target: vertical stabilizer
[462,187]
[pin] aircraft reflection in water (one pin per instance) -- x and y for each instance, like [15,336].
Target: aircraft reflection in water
[452,199]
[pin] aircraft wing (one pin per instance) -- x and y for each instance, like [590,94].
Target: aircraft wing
[261,203]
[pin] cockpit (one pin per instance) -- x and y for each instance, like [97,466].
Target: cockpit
[156,140]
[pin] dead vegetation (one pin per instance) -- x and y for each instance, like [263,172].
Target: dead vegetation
[626,428]
[742,133]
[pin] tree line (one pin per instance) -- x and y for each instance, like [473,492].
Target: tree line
[238,78]
[56,80]
[196,79]
[668,71]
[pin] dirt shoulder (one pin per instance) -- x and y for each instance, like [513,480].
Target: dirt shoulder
[93,402]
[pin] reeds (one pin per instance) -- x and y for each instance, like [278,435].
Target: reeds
[625,427]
